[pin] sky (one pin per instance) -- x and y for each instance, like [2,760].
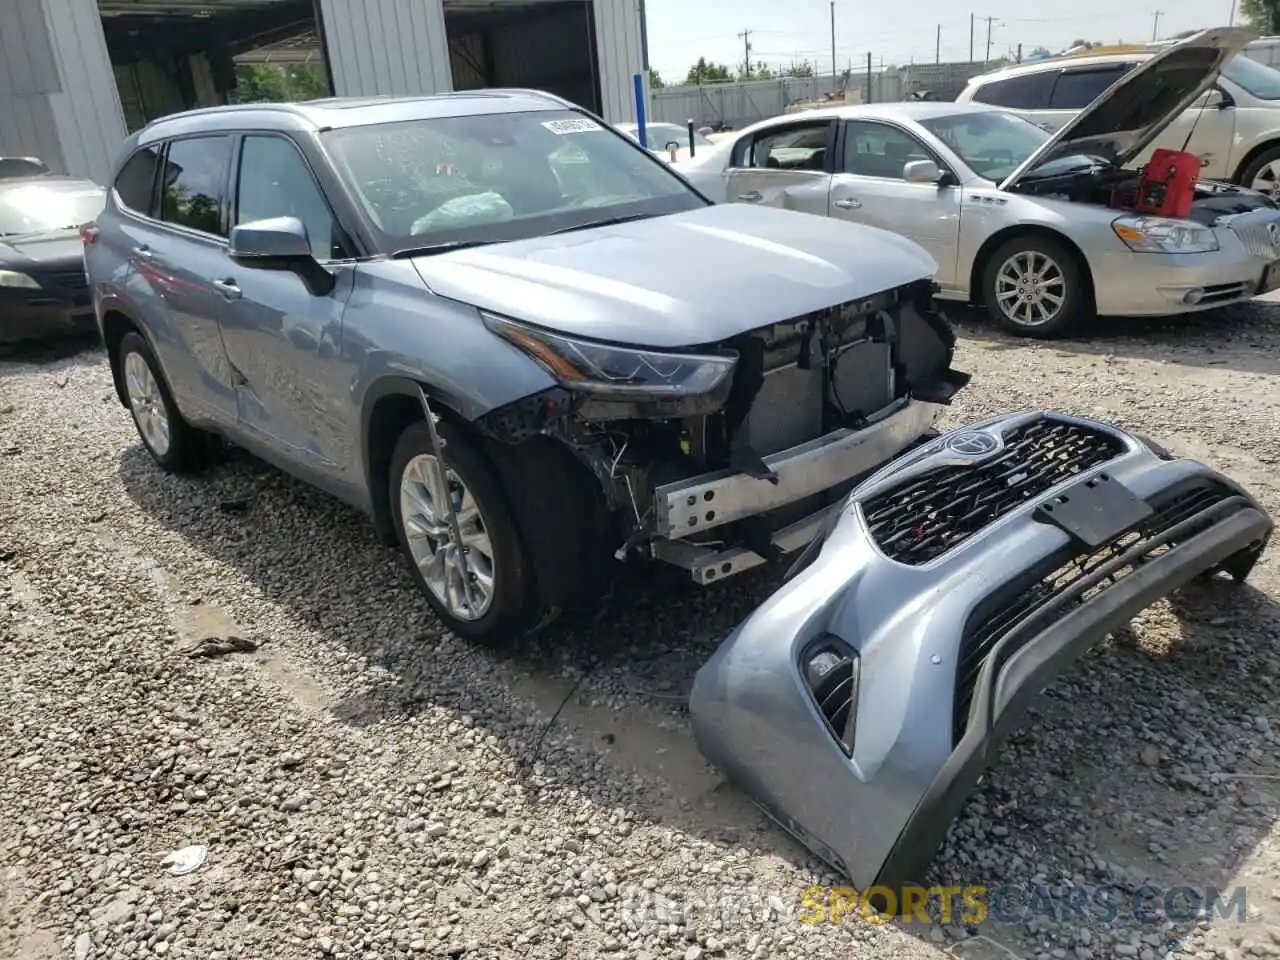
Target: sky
[680,31]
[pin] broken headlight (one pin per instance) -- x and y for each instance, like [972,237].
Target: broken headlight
[614,372]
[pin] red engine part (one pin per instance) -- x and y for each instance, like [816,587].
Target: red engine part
[1168,184]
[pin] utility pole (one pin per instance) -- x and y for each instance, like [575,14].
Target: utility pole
[833,38]
[746,54]
[1155,27]
[1231,20]
[971,38]
[868,100]
[1019,60]
[989,21]
[937,45]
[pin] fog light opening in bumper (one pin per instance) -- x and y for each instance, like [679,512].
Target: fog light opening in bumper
[1192,297]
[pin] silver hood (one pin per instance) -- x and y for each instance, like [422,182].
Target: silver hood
[1136,108]
[681,280]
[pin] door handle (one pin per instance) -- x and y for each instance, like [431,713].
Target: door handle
[227,288]
[142,252]
[755,196]
[848,204]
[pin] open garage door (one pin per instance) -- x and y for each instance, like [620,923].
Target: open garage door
[171,55]
[540,44]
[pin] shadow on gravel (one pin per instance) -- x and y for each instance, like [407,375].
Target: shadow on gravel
[1153,760]
[83,348]
[1245,338]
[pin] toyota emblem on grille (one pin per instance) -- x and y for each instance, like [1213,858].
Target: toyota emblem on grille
[972,444]
[1273,233]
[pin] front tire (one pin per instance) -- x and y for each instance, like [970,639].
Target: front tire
[173,443]
[1034,286]
[494,599]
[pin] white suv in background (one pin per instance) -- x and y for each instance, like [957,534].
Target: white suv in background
[1235,127]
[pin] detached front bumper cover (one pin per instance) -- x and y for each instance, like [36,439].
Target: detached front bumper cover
[956,583]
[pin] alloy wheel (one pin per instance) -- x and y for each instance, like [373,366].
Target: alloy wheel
[1267,180]
[146,403]
[1030,288]
[466,592]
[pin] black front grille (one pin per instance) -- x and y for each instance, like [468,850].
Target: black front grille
[1049,593]
[72,280]
[921,519]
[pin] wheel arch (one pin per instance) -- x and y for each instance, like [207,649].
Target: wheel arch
[1253,154]
[389,406]
[116,325]
[556,502]
[978,270]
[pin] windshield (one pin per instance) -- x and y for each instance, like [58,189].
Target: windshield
[992,143]
[41,207]
[660,134]
[1256,79]
[498,177]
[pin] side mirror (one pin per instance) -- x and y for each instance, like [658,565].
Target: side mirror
[1218,99]
[280,243]
[921,171]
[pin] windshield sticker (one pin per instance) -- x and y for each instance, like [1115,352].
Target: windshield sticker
[561,127]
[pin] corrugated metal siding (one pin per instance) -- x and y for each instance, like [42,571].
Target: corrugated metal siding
[86,108]
[28,78]
[381,47]
[619,50]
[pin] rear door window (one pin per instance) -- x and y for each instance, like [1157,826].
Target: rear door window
[1030,91]
[135,186]
[193,191]
[1076,89]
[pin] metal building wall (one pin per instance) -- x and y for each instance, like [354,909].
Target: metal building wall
[58,95]
[620,49]
[400,47]
[386,47]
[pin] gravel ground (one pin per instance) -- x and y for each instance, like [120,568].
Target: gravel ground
[366,786]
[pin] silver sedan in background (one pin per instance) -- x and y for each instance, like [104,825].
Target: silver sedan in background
[1038,226]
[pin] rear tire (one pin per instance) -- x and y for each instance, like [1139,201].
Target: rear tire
[496,601]
[1263,173]
[173,443]
[1033,286]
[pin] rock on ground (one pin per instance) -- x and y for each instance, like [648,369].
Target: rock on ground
[368,786]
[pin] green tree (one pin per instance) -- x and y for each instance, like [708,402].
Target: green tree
[802,69]
[1039,52]
[705,72]
[272,83]
[1262,14]
[759,71]
[655,80]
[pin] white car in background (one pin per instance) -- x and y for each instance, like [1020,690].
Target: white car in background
[662,135]
[1234,126]
[1031,224]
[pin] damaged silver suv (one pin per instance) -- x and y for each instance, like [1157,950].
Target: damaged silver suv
[517,340]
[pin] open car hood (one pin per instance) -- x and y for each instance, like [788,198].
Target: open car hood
[1120,123]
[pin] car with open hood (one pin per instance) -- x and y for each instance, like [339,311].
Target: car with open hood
[1041,227]
[516,339]
[1233,127]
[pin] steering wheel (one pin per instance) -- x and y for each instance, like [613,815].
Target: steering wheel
[389,195]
